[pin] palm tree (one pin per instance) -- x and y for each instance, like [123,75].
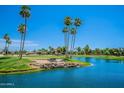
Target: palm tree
[70,29]
[73,32]
[65,31]
[63,50]
[87,49]
[6,37]
[51,50]
[68,23]
[21,29]
[77,23]
[7,42]
[25,13]
[79,50]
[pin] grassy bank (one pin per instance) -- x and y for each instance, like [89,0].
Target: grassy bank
[104,57]
[42,57]
[11,64]
[78,61]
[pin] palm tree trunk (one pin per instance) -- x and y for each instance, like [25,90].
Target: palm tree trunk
[68,40]
[24,37]
[6,48]
[21,46]
[72,40]
[65,39]
[67,50]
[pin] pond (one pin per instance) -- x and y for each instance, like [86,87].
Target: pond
[103,74]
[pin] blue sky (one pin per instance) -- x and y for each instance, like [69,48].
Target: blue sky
[103,26]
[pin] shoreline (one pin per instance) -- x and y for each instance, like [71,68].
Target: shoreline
[107,57]
[27,60]
[67,64]
[37,70]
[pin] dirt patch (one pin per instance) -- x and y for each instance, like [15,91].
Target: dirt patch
[48,64]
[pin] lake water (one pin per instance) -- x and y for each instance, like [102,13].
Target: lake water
[103,73]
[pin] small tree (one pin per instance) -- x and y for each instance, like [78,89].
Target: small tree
[87,49]
[7,43]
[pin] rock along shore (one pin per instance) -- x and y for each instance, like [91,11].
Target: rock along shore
[48,64]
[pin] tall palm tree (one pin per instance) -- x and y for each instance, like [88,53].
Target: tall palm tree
[77,23]
[68,23]
[73,32]
[25,13]
[65,31]
[21,29]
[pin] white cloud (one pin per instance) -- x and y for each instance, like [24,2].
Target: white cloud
[16,44]
[27,43]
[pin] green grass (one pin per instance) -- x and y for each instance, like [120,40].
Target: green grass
[43,57]
[13,63]
[105,57]
[78,61]
[54,56]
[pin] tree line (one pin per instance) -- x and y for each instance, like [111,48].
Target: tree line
[97,51]
[83,51]
[77,51]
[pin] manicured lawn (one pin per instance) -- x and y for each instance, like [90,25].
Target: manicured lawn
[105,57]
[43,57]
[78,61]
[10,64]
[13,63]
